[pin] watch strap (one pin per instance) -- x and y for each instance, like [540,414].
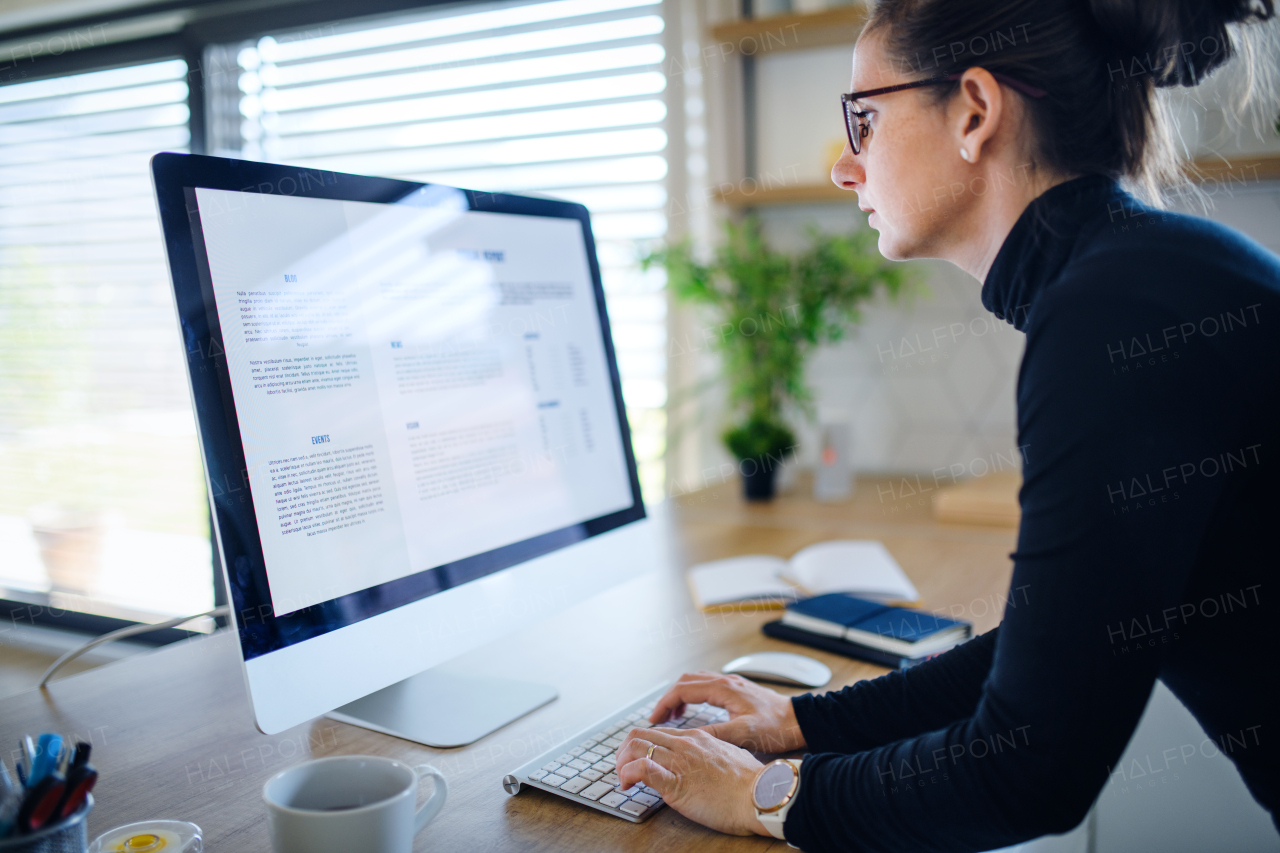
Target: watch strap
[773,822]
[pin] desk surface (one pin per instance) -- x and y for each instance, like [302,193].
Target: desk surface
[173,732]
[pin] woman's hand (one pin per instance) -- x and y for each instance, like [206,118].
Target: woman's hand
[699,775]
[759,719]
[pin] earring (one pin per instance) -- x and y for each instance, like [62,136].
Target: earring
[964,154]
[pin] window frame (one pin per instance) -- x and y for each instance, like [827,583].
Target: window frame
[209,22]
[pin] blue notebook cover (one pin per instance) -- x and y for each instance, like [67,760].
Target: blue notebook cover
[903,624]
[838,608]
[859,614]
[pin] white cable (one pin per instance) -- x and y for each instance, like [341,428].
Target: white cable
[130,631]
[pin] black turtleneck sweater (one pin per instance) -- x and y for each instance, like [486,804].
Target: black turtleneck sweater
[1149,413]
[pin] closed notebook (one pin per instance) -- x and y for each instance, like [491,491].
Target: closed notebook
[862,567]
[779,631]
[897,630]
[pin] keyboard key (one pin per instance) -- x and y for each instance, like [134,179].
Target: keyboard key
[632,717]
[612,800]
[599,736]
[551,766]
[632,808]
[689,711]
[577,764]
[604,766]
[564,758]
[595,791]
[610,760]
[575,785]
[588,743]
[612,730]
[553,780]
[591,774]
[537,774]
[632,791]
[601,750]
[575,752]
[611,778]
[567,772]
[702,720]
[643,724]
[645,799]
[614,742]
[647,709]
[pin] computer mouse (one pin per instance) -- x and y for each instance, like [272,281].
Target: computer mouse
[780,668]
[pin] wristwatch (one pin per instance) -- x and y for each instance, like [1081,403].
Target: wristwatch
[773,793]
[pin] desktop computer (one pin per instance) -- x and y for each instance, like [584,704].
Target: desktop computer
[412,429]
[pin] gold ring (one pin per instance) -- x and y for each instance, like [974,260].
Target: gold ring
[649,754]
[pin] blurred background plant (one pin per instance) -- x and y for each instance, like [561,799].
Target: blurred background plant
[770,310]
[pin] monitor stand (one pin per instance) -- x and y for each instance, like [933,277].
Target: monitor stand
[445,708]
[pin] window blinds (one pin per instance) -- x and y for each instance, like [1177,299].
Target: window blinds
[95,421]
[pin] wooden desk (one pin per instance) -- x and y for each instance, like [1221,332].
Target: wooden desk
[173,733]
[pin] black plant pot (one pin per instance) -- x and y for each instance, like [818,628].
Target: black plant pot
[759,478]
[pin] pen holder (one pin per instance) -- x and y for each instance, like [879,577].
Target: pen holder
[66,836]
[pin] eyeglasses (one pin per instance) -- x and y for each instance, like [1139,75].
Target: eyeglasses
[859,130]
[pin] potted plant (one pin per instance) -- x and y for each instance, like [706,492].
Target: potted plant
[770,310]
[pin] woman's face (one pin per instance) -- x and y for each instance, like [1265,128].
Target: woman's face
[909,165]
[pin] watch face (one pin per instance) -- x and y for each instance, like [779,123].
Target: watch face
[773,785]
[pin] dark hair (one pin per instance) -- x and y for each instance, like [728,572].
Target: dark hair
[1100,61]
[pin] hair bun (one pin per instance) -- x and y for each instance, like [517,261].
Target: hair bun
[1180,42]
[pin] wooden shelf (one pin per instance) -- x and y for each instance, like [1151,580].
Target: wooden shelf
[1236,174]
[1241,172]
[757,36]
[787,194]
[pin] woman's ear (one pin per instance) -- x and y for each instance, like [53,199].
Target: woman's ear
[977,112]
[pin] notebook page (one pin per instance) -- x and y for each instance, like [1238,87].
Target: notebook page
[863,567]
[739,579]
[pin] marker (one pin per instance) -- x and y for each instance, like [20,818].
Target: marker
[47,752]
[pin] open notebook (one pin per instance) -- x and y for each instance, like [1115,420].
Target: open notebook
[862,567]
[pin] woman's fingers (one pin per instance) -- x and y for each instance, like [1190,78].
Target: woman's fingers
[693,688]
[646,771]
[635,759]
[635,747]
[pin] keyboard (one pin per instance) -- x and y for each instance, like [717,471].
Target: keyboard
[582,768]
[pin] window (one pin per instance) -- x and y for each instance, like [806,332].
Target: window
[562,97]
[102,500]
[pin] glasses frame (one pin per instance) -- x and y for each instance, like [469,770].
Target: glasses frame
[852,116]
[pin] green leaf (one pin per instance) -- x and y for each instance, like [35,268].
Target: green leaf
[769,311]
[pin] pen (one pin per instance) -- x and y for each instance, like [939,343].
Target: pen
[45,762]
[81,777]
[40,806]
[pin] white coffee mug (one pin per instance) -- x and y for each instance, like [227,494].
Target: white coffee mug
[350,803]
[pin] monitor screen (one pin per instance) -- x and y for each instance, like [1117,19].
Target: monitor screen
[424,393]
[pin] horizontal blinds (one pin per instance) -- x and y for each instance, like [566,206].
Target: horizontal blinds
[564,97]
[95,419]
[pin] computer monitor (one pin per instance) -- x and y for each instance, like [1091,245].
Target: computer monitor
[412,429]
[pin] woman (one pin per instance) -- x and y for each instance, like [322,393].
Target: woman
[1148,409]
